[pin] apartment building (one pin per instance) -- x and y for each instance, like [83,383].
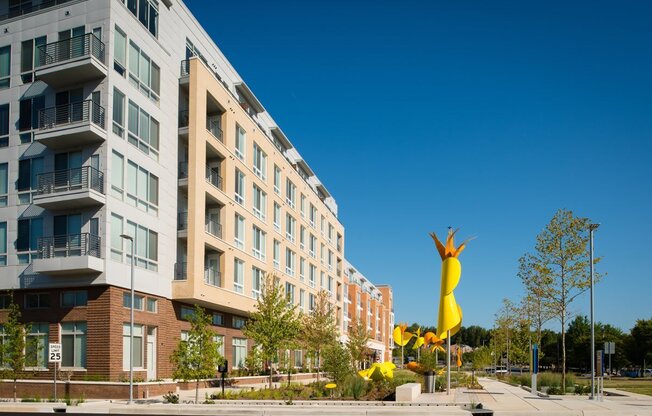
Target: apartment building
[123,118]
[373,305]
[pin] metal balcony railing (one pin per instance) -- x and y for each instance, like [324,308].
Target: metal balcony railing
[26,7]
[212,277]
[181,271]
[182,220]
[183,170]
[185,67]
[213,125]
[72,48]
[183,118]
[84,177]
[213,178]
[70,245]
[66,114]
[213,227]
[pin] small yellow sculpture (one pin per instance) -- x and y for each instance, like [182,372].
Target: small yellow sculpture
[401,338]
[378,371]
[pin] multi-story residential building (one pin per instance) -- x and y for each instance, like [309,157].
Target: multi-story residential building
[123,118]
[373,305]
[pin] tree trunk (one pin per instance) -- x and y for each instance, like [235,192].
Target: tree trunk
[563,354]
[197,391]
[15,383]
[269,365]
[319,366]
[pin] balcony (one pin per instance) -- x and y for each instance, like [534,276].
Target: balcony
[69,254]
[70,188]
[214,178]
[182,174]
[213,228]
[181,271]
[183,123]
[213,125]
[75,124]
[71,61]
[212,277]
[182,224]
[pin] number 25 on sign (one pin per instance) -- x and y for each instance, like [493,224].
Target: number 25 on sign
[54,354]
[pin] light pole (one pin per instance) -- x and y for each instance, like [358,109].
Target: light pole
[592,228]
[131,322]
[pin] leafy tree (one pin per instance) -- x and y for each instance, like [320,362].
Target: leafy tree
[274,324]
[480,358]
[505,326]
[197,357]
[319,328]
[337,362]
[561,265]
[357,343]
[578,344]
[474,336]
[14,345]
[640,345]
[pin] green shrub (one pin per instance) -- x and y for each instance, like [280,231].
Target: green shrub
[554,390]
[171,397]
[582,389]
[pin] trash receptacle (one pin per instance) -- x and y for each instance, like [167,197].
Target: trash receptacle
[429,377]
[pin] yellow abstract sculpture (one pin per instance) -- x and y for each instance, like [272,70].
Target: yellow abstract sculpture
[431,339]
[401,337]
[459,356]
[378,371]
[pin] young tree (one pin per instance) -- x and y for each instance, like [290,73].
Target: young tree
[337,362]
[561,266]
[14,345]
[639,348]
[274,324]
[534,301]
[318,329]
[197,357]
[357,343]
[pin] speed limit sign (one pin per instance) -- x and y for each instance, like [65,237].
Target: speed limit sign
[54,354]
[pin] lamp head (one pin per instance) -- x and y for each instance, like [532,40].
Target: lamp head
[594,227]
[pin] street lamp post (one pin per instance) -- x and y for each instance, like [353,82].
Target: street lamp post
[131,322]
[592,228]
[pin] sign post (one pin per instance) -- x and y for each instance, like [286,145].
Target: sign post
[535,367]
[610,349]
[599,367]
[223,369]
[54,356]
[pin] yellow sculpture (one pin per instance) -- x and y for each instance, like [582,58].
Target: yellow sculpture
[378,371]
[459,355]
[401,337]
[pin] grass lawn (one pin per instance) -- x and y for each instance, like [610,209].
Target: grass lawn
[640,386]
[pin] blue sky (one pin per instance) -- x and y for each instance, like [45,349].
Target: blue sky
[487,116]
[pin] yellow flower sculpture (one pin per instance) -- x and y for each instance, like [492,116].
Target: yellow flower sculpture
[450,313]
[431,339]
[401,336]
[378,372]
[459,356]
[419,341]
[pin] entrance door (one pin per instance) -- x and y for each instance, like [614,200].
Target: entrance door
[151,353]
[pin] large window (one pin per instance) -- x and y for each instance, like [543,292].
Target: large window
[143,130]
[37,300]
[73,298]
[3,243]
[290,193]
[239,352]
[146,11]
[240,142]
[29,57]
[142,188]
[4,125]
[277,180]
[120,51]
[28,115]
[145,240]
[302,237]
[259,238]
[277,217]
[256,282]
[239,187]
[5,66]
[117,174]
[144,74]
[302,269]
[303,206]
[239,234]
[36,345]
[290,261]
[238,275]
[29,231]
[290,227]
[260,202]
[289,292]
[313,215]
[313,246]
[28,171]
[260,163]
[302,300]
[312,276]
[4,184]
[73,344]
[277,255]
[119,113]
[138,346]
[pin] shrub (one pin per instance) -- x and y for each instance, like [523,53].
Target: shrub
[171,397]
[554,390]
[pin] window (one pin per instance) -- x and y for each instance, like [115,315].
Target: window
[312,276]
[146,11]
[3,244]
[256,282]
[238,322]
[277,180]
[152,305]
[29,232]
[289,293]
[302,238]
[290,193]
[70,299]
[143,130]
[146,242]
[298,358]
[139,346]
[36,345]
[330,260]
[4,183]
[313,215]
[289,261]
[277,217]
[258,249]
[37,300]
[239,235]
[321,280]
[186,312]
[117,174]
[119,113]
[330,285]
[290,226]
[116,240]
[330,233]
[27,183]
[260,163]
[302,269]
[143,73]
[28,116]
[321,225]
[239,352]
[138,303]
[303,206]
[219,342]
[277,255]
[218,319]
[30,57]
[239,187]
[73,344]
[322,256]
[302,300]
[120,52]
[313,246]
[238,276]
[5,66]
[311,302]
[260,203]
[4,127]
[142,188]
[240,142]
